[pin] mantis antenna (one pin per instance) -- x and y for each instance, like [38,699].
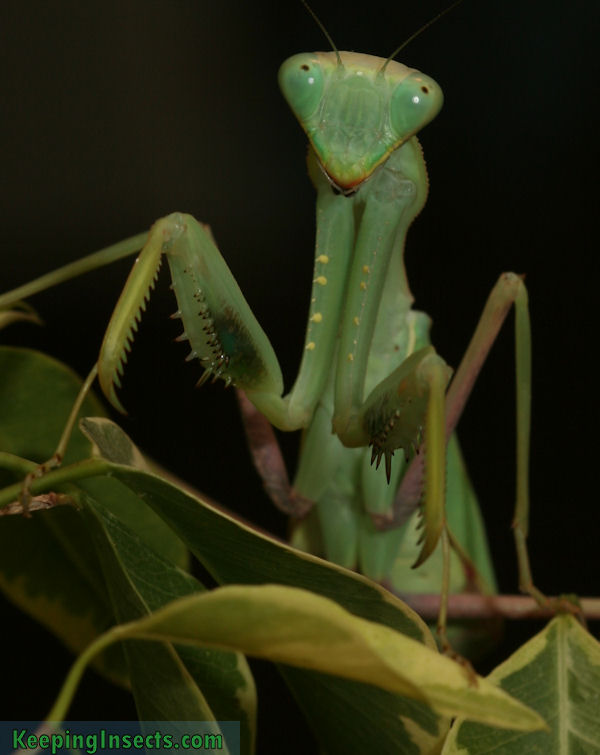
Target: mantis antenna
[417,33]
[324,30]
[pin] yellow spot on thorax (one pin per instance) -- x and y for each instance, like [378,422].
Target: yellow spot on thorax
[310,346]
[321,280]
[323,259]
[363,286]
[356,321]
[350,357]
[317,317]
[366,269]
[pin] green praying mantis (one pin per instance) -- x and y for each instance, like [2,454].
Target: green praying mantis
[368,371]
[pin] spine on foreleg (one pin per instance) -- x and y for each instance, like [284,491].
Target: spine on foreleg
[217,321]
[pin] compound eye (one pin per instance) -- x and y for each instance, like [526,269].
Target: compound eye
[415,102]
[301,81]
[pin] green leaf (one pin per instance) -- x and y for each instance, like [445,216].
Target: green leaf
[36,396]
[48,565]
[168,682]
[233,552]
[111,443]
[50,570]
[556,673]
[353,717]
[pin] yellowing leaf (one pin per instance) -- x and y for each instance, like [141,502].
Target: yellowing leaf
[297,627]
[556,673]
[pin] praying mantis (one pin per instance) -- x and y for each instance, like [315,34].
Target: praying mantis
[368,374]
[409,241]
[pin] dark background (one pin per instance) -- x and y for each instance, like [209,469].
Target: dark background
[117,113]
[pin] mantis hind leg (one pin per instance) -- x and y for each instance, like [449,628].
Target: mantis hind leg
[268,461]
[331,527]
[509,290]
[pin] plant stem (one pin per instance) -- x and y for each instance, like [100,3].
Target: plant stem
[475,606]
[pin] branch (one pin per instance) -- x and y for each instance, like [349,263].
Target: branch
[475,606]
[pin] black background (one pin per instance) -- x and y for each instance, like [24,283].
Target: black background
[117,113]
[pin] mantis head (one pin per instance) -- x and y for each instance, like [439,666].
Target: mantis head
[356,109]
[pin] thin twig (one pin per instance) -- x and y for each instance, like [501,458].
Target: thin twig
[475,606]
